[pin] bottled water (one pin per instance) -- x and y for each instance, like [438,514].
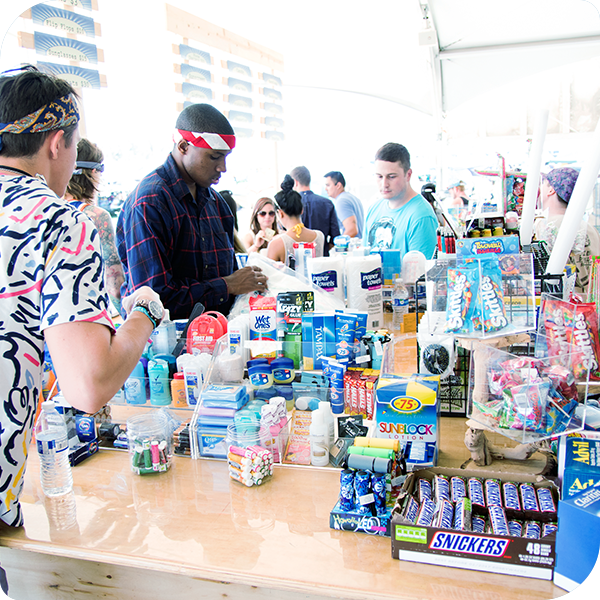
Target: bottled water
[53,450]
[399,303]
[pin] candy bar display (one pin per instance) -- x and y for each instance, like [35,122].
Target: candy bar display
[488,530]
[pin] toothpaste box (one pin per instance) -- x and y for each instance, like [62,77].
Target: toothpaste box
[577,552]
[582,465]
[318,339]
[509,555]
[407,408]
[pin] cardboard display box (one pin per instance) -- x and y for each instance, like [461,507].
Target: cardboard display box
[576,553]
[348,521]
[470,550]
[408,410]
[582,465]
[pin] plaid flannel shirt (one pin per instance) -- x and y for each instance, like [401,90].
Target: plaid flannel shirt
[179,246]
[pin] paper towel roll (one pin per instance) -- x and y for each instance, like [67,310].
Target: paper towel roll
[363,287]
[328,273]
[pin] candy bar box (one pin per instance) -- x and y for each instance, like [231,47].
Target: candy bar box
[481,520]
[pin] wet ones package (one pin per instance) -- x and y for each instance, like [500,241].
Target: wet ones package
[462,287]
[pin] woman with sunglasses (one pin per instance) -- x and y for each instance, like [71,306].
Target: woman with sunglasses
[289,212]
[263,226]
[81,193]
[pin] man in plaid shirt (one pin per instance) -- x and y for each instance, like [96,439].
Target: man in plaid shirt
[175,233]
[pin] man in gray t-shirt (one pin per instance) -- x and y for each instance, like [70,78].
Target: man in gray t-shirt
[349,208]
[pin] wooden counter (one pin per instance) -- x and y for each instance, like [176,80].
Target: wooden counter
[194,531]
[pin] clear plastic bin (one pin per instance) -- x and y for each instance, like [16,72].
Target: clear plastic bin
[150,443]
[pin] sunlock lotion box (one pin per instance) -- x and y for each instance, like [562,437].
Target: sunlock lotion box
[407,409]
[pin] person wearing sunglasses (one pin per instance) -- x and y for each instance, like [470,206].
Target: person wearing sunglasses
[289,214]
[263,225]
[81,193]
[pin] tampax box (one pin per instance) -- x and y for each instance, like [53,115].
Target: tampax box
[582,465]
[508,555]
[577,552]
[407,408]
[318,339]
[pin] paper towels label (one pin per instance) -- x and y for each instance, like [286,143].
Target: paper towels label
[327,280]
[371,280]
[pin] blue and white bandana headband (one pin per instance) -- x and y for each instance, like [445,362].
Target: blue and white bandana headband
[60,113]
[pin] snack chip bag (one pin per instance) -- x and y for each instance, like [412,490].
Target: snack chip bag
[490,304]
[583,336]
[462,287]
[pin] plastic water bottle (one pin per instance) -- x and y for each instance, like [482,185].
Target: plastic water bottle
[399,303]
[53,449]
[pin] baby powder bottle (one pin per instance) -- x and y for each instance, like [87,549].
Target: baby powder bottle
[178,391]
[329,420]
[158,375]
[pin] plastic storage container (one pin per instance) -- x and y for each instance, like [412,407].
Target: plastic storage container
[150,443]
[53,448]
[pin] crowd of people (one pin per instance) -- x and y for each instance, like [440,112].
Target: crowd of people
[62,265]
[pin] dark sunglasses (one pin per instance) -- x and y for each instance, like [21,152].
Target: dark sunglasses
[81,164]
[264,213]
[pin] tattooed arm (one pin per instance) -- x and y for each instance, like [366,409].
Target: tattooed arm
[113,270]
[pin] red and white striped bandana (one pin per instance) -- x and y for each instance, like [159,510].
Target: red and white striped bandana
[213,141]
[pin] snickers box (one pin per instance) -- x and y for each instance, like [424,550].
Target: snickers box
[489,552]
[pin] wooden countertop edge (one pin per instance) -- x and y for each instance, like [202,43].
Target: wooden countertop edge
[212,575]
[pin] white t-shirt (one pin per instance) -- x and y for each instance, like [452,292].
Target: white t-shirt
[50,273]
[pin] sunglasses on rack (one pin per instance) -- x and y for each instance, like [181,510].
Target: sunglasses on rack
[264,213]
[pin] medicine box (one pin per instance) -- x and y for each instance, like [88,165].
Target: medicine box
[578,537]
[582,465]
[508,555]
[407,409]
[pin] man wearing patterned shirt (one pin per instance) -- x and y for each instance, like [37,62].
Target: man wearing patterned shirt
[51,283]
[175,233]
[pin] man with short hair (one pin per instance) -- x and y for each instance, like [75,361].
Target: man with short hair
[556,189]
[175,233]
[348,207]
[402,219]
[319,212]
[51,283]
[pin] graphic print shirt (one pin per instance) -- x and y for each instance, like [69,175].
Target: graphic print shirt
[50,274]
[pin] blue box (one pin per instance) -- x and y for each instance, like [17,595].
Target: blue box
[582,465]
[407,409]
[577,538]
[318,339]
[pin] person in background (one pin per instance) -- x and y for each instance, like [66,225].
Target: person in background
[238,245]
[289,212]
[263,226]
[348,207]
[402,219]
[51,285]
[556,189]
[458,196]
[175,233]
[81,193]
[319,212]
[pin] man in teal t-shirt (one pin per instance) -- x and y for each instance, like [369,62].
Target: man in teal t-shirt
[402,219]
